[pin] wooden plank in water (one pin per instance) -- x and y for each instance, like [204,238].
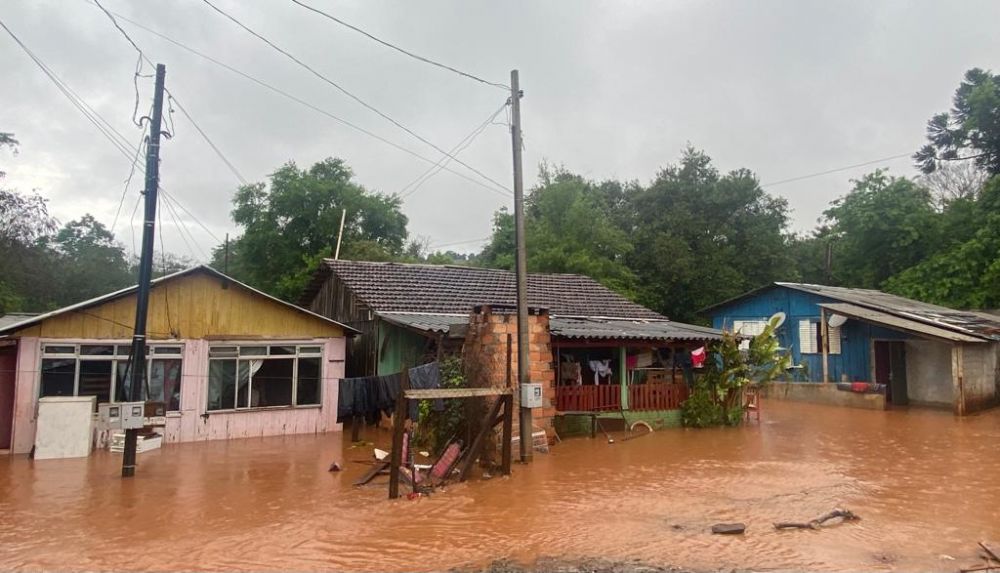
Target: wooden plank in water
[377,468]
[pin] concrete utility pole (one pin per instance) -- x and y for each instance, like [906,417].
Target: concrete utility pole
[138,356]
[523,342]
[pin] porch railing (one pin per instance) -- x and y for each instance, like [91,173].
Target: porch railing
[588,398]
[656,396]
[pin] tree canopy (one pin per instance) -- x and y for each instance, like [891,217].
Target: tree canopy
[292,223]
[971,130]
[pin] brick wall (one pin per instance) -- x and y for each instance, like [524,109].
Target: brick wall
[486,354]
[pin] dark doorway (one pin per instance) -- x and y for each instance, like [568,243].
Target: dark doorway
[890,369]
[8,373]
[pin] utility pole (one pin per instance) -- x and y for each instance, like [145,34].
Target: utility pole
[340,234]
[138,356]
[523,367]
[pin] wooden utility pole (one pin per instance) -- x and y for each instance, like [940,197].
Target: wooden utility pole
[340,234]
[523,367]
[138,356]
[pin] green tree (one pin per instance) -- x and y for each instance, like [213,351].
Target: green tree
[91,257]
[882,227]
[569,229]
[701,237]
[971,130]
[966,273]
[291,224]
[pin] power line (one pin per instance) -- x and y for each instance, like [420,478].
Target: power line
[349,94]
[401,50]
[128,181]
[208,140]
[174,200]
[837,170]
[301,101]
[455,243]
[464,143]
[142,56]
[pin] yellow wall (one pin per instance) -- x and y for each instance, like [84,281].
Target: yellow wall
[198,308]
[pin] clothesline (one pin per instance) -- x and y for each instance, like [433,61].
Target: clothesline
[370,396]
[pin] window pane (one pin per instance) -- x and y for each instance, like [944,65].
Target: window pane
[165,382]
[97,350]
[122,380]
[123,349]
[244,381]
[222,351]
[50,349]
[95,379]
[282,350]
[272,383]
[308,392]
[221,384]
[253,351]
[310,349]
[166,350]
[57,377]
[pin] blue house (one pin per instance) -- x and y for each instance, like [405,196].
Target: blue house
[907,351]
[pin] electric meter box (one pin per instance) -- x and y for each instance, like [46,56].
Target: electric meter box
[133,415]
[155,414]
[109,416]
[531,395]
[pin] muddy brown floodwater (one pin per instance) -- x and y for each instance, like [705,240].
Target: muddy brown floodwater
[926,485]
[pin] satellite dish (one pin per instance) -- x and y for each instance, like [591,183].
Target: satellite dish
[779,317]
[836,320]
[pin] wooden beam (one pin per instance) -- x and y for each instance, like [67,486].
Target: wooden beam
[826,344]
[477,444]
[447,393]
[398,427]
[507,434]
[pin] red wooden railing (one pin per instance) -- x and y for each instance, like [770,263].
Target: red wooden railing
[588,398]
[656,396]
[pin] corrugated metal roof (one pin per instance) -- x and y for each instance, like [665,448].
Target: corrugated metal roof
[897,322]
[571,327]
[427,322]
[15,317]
[977,324]
[623,329]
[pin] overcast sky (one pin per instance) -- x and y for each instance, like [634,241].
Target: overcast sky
[611,90]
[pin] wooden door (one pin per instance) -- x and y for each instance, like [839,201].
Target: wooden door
[8,373]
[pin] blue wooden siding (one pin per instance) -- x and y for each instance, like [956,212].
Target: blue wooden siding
[855,337]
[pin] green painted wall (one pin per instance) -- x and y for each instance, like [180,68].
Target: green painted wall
[567,426]
[397,346]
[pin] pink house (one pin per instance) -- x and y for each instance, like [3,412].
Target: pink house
[228,360]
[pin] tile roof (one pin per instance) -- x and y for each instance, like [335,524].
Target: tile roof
[452,289]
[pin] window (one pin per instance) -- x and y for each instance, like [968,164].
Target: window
[102,370]
[748,328]
[263,376]
[811,337]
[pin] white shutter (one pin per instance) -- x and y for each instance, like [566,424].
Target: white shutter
[807,337]
[834,333]
[748,328]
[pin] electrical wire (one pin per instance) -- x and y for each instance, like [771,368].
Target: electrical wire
[142,56]
[401,50]
[412,187]
[181,228]
[837,170]
[177,203]
[215,148]
[128,181]
[303,102]
[455,243]
[349,94]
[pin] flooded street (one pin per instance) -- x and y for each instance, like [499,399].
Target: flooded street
[925,484]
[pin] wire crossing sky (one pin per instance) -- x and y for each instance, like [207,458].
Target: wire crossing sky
[805,93]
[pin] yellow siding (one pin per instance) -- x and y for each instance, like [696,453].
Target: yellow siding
[198,308]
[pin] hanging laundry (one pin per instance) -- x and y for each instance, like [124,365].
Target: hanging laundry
[370,396]
[601,369]
[698,356]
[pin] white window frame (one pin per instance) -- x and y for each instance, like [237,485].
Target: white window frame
[239,351]
[749,328]
[812,335]
[174,351]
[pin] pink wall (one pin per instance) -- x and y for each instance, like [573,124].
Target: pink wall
[189,424]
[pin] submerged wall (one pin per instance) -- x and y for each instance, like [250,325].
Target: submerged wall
[979,376]
[823,394]
[928,373]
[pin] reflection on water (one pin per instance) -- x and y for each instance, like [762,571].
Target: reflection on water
[925,484]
